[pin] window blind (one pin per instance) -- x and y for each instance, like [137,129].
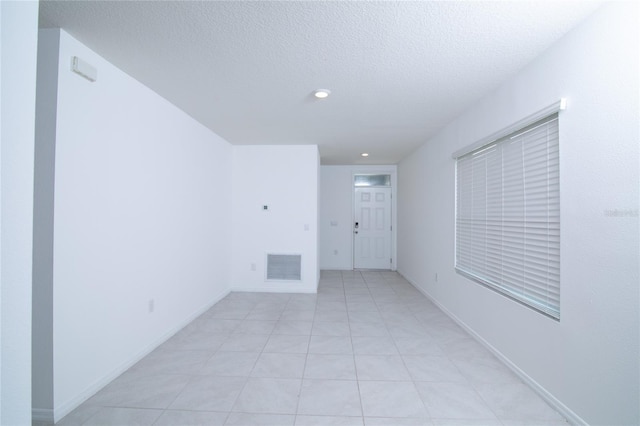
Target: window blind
[508,216]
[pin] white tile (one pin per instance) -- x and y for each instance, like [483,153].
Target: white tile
[391,399]
[221,326]
[255,327]
[78,416]
[331,328]
[115,416]
[209,393]
[367,317]
[330,397]
[302,302]
[265,314]
[359,297]
[367,328]
[228,312]
[332,315]
[276,365]
[356,289]
[245,419]
[245,343]
[134,391]
[191,418]
[485,369]
[374,345]
[171,362]
[320,366]
[463,348]
[474,422]
[418,346]
[454,401]
[238,364]
[517,401]
[275,396]
[330,345]
[426,368]
[293,327]
[302,420]
[396,421]
[331,305]
[298,314]
[406,328]
[283,343]
[239,355]
[362,306]
[381,367]
[198,340]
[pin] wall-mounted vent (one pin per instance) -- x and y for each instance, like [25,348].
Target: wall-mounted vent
[284,267]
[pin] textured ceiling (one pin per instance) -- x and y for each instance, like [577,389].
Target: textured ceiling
[398,71]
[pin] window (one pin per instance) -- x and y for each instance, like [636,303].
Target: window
[508,215]
[372,180]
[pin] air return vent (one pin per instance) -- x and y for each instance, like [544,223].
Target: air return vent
[284,267]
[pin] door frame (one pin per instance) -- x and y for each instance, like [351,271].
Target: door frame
[377,170]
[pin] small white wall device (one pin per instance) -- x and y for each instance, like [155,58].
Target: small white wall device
[84,69]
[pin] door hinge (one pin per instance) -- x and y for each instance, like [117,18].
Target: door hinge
[391,260]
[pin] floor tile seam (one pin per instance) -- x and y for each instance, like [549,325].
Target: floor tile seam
[503,419]
[471,385]
[355,367]
[193,410]
[235,400]
[304,369]
[86,422]
[358,386]
[192,379]
[415,388]
[231,410]
[89,418]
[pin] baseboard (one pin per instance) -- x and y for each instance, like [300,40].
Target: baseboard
[42,415]
[65,408]
[569,414]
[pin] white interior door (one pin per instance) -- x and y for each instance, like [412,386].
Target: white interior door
[372,228]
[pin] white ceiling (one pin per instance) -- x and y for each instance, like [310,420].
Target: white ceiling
[398,71]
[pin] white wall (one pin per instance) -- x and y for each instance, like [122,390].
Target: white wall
[43,202]
[588,362]
[142,196]
[336,206]
[285,178]
[18,43]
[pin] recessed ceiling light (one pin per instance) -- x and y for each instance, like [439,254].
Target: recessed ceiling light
[321,93]
[365,154]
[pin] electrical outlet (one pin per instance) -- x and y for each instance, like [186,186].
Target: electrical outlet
[335,252]
[253,266]
[152,305]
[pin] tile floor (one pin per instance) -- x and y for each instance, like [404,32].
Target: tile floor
[368,349]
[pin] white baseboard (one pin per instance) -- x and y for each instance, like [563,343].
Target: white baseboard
[42,415]
[569,414]
[65,408]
